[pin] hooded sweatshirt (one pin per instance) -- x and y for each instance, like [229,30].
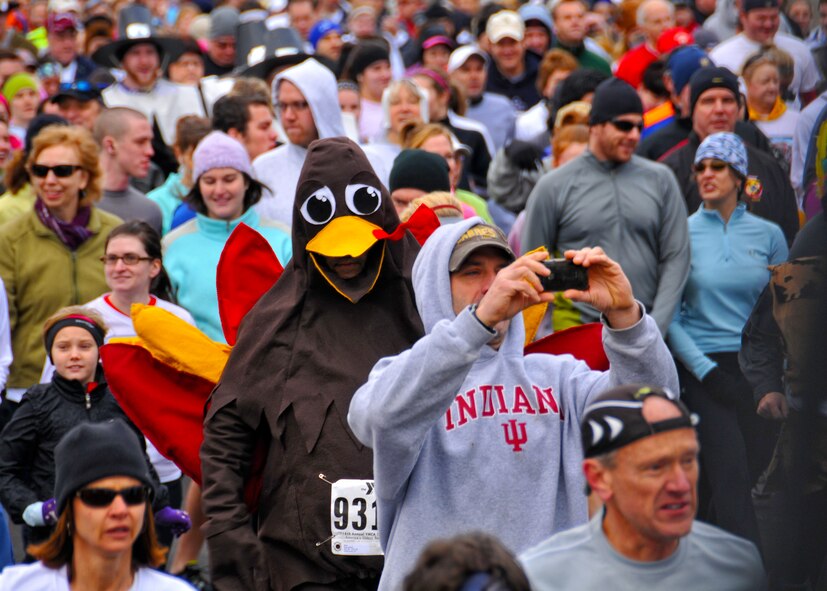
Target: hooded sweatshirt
[468,438]
[279,169]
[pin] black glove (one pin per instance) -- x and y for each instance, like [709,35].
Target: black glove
[524,155]
[722,386]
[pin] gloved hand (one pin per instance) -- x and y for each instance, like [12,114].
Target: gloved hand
[177,521]
[524,155]
[41,513]
[722,386]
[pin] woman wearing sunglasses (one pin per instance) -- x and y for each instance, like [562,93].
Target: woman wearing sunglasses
[105,533]
[731,251]
[51,255]
[77,393]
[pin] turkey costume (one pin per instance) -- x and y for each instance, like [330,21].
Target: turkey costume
[302,352]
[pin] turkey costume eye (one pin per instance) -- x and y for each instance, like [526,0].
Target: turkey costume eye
[318,209]
[363,199]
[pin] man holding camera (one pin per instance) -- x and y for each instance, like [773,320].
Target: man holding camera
[632,207]
[467,432]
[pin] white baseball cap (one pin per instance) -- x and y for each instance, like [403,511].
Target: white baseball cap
[461,54]
[505,23]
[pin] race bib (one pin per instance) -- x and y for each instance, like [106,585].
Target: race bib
[353,518]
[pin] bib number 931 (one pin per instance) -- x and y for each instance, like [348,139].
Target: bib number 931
[353,518]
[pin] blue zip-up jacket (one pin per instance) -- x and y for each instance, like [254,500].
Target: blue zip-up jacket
[728,270]
[191,254]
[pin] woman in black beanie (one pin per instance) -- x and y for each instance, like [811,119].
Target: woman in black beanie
[105,532]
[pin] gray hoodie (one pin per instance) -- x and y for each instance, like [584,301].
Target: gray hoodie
[469,438]
[279,169]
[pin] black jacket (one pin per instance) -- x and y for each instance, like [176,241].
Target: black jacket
[663,142]
[777,202]
[27,444]
[523,92]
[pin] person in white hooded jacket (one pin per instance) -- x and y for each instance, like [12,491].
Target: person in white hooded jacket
[468,433]
[307,104]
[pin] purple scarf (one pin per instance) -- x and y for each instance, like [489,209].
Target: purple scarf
[73,233]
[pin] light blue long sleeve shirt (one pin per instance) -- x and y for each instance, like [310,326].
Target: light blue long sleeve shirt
[728,270]
[191,254]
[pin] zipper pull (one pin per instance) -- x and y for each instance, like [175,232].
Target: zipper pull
[88,401]
[89,387]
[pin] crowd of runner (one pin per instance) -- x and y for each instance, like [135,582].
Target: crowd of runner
[274,272]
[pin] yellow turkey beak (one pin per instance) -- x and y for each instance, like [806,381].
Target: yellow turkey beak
[344,236]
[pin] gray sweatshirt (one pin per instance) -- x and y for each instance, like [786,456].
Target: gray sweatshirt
[634,211]
[468,438]
[130,204]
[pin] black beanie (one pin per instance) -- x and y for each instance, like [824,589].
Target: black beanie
[711,77]
[613,98]
[363,55]
[748,5]
[91,451]
[37,124]
[418,169]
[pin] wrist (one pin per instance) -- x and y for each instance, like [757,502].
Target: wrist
[620,318]
[485,324]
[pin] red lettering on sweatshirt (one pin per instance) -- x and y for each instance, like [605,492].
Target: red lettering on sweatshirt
[521,403]
[467,406]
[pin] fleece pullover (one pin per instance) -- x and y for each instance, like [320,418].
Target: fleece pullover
[469,438]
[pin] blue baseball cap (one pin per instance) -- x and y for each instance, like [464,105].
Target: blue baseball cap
[685,61]
[533,12]
[321,29]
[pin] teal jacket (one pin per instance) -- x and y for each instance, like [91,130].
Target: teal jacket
[191,254]
[168,197]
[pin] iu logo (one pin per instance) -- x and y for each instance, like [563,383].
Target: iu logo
[515,434]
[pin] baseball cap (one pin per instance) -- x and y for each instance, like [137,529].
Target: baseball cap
[461,54]
[58,6]
[505,23]
[62,21]
[685,61]
[437,40]
[81,90]
[615,418]
[726,147]
[672,38]
[477,237]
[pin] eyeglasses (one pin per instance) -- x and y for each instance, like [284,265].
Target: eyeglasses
[715,165]
[298,106]
[103,497]
[129,259]
[62,171]
[626,126]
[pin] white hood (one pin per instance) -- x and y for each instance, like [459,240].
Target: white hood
[318,85]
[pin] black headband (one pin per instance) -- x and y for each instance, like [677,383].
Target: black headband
[616,419]
[78,320]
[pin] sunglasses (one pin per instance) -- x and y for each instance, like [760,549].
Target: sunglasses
[626,126]
[103,497]
[62,171]
[716,165]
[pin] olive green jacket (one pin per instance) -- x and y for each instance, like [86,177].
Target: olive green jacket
[41,276]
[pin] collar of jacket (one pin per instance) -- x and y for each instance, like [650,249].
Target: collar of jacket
[607,166]
[221,229]
[74,391]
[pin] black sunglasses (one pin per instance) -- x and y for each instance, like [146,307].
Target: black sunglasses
[61,170]
[716,165]
[103,497]
[626,126]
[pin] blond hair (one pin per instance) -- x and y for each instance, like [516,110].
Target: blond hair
[443,204]
[83,143]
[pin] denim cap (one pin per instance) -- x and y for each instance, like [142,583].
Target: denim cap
[727,147]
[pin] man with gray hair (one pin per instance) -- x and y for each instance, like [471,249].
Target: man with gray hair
[653,18]
[125,138]
[641,460]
